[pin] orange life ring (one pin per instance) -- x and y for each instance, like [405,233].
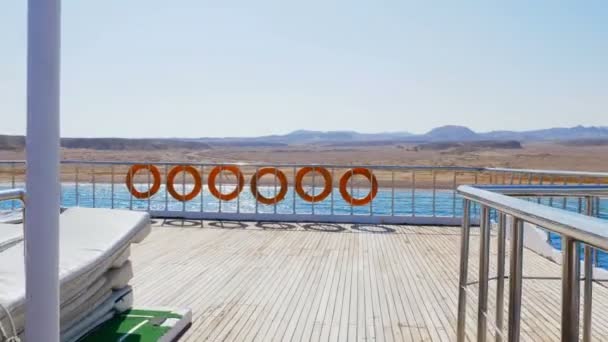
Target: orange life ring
[214,190]
[344,183]
[155,185]
[269,171]
[197,182]
[327,187]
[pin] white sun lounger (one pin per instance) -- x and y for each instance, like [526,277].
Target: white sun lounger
[92,241]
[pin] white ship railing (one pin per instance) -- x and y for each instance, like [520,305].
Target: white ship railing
[574,229]
[407,194]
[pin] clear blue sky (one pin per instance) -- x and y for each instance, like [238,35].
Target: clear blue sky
[242,68]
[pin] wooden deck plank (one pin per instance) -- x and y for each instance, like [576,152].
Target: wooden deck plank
[399,283]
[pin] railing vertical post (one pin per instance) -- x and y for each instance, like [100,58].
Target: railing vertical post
[293,192]
[569,290]
[238,198]
[413,193]
[484,263]
[183,167]
[588,285]
[515,279]
[13,184]
[454,194]
[314,171]
[350,180]
[434,175]
[221,187]
[112,186]
[166,190]
[464,267]
[149,185]
[77,181]
[500,275]
[392,192]
[333,177]
[587,305]
[257,181]
[130,194]
[371,203]
[540,182]
[275,191]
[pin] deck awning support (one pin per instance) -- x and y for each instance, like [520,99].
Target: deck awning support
[42,172]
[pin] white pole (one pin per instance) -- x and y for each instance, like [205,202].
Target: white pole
[42,172]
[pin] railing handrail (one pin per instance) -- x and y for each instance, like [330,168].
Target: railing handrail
[548,190]
[263,164]
[388,167]
[589,230]
[574,228]
[549,172]
[12,194]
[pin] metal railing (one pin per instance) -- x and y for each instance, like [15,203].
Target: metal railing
[12,194]
[406,194]
[574,229]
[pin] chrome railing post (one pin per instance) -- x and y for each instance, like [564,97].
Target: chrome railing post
[588,285]
[149,186]
[454,194]
[392,192]
[275,191]
[202,209]
[13,171]
[484,267]
[413,193]
[130,194]
[77,181]
[257,182]
[464,268]
[184,187]
[569,290]
[293,191]
[221,187]
[588,291]
[93,181]
[515,278]
[333,178]
[371,202]
[500,275]
[314,171]
[350,180]
[434,176]
[166,190]
[112,186]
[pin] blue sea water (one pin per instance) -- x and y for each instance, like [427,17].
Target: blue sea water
[398,202]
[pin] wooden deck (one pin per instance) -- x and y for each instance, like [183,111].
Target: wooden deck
[324,282]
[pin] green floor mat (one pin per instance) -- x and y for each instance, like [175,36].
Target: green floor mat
[142,325]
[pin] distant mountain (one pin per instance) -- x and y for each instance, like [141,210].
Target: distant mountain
[301,137]
[572,133]
[333,138]
[451,133]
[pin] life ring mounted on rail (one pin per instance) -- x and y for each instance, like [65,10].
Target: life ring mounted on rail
[155,180]
[216,192]
[171,185]
[344,186]
[327,186]
[282,180]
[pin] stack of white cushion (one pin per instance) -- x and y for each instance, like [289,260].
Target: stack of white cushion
[94,268]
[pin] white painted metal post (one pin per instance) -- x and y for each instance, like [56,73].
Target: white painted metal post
[42,172]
